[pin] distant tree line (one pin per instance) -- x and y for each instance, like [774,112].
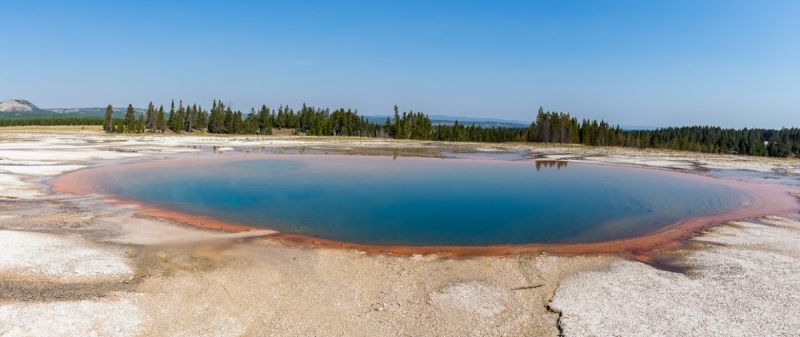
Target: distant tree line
[552,127]
[52,121]
[222,119]
[547,127]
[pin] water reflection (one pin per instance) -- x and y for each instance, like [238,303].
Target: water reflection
[558,164]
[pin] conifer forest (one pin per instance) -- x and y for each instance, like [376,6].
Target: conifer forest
[547,127]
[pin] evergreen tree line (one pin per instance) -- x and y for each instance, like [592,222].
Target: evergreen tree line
[755,142]
[129,124]
[552,127]
[52,121]
[411,125]
[548,127]
[222,119]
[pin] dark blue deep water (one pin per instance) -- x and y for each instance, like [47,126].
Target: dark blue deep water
[417,201]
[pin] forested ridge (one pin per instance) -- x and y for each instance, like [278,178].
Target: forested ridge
[547,127]
[551,127]
[52,121]
[221,119]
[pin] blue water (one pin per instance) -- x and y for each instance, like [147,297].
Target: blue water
[423,201]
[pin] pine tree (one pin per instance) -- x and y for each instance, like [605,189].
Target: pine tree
[228,125]
[108,125]
[533,132]
[398,129]
[238,123]
[140,124]
[387,128]
[216,121]
[202,118]
[130,118]
[408,124]
[151,117]
[171,120]
[178,121]
[161,122]
[264,127]
[191,118]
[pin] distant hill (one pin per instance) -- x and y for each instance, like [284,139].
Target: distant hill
[22,109]
[449,120]
[93,112]
[17,105]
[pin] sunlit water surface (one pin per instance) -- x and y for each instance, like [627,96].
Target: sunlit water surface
[419,201]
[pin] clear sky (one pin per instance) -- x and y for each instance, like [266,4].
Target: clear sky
[651,63]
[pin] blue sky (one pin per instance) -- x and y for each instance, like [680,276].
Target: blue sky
[654,63]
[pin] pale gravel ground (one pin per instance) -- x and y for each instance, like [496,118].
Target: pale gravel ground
[63,258]
[12,186]
[270,289]
[80,318]
[196,283]
[476,297]
[39,170]
[746,284]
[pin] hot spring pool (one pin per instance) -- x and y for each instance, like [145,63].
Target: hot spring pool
[421,201]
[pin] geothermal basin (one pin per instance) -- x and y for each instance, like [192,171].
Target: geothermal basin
[410,204]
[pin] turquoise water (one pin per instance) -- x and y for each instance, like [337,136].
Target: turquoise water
[422,201]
